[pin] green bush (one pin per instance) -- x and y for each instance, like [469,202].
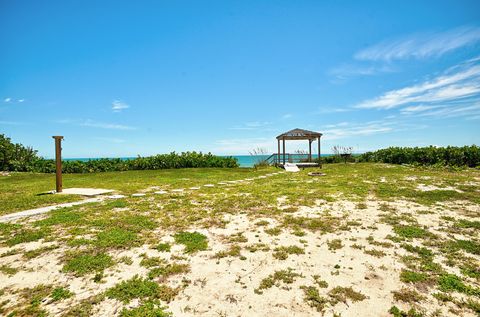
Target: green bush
[432,155]
[16,157]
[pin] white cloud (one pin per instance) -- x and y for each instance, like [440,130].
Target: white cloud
[255,125]
[421,45]
[287,116]
[21,100]
[459,82]
[103,125]
[8,99]
[118,106]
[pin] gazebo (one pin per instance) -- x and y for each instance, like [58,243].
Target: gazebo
[299,134]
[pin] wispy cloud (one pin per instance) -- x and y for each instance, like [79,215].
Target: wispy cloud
[118,106]
[421,45]
[255,125]
[343,72]
[287,116]
[103,125]
[8,99]
[345,130]
[459,82]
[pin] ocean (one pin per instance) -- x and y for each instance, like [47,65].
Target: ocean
[243,160]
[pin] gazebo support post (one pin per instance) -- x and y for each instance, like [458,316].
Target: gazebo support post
[310,150]
[319,160]
[283,151]
[278,153]
[58,163]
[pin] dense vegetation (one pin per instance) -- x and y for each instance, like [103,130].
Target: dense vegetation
[16,157]
[450,156]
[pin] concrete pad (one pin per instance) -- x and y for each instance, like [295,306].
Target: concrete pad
[138,195]
[161,192]
[209,185]
[291,167]
[115,196]
[42,210]
[86,191]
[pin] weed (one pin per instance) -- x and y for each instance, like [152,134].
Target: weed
[273,231]
[410,231]
[282,253]
[408,296]
[136,287]
[313,298]
[81,263]
[375,253]
[60,293]
[334,244]
[233,251]
[396,312]
[342,294]
[26,236]
[193,241]
[168,270]
[8,270]
[146,309]
[321,283]
[163,247]
[116,238]
[412,277]
[286,276]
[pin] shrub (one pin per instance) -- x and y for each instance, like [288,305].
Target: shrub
[449,156]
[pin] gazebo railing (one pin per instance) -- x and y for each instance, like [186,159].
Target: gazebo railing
[289,158]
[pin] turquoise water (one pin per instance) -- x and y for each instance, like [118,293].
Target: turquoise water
[243,160]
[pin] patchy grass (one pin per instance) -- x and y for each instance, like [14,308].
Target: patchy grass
[342,294]
[313,299]
[81,263]
[287,276]
[140,288]
[193,241]
[60,293]
[282,253]
[334,244]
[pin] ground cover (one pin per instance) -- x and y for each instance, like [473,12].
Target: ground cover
[364,240]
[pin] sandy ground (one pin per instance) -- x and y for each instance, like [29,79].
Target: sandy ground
[225,287]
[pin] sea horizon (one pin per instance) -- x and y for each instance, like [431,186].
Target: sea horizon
[244,160]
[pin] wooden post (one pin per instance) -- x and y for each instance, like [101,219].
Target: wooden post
[283,151]
[278,152]
[58,161]
[319,159]
[310,150]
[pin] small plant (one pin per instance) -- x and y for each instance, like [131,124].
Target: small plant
[410,232]
[146,309]
[84,263]
[60,293]
[8,270]
[286,276]
[273,231]
[342,294]
[281,253]
[193,241]
[163,247]
[334,244]
[168,270]
[396,312]
[321,283]
[375,253]
[313,298]
[233,251]
[116,238]
[412,277]
[408,296]
[140,288]
[25,236]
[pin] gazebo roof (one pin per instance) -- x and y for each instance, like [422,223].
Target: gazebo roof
[299,134]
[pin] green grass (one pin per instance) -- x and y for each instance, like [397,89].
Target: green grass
[140,288]
[22,191]
[146,309]
[413,277]
[193,241]
[313,299]
[287,276]
[282,253]
[81,263]
[60,293]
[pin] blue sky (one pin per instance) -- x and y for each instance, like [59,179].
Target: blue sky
[121,78]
